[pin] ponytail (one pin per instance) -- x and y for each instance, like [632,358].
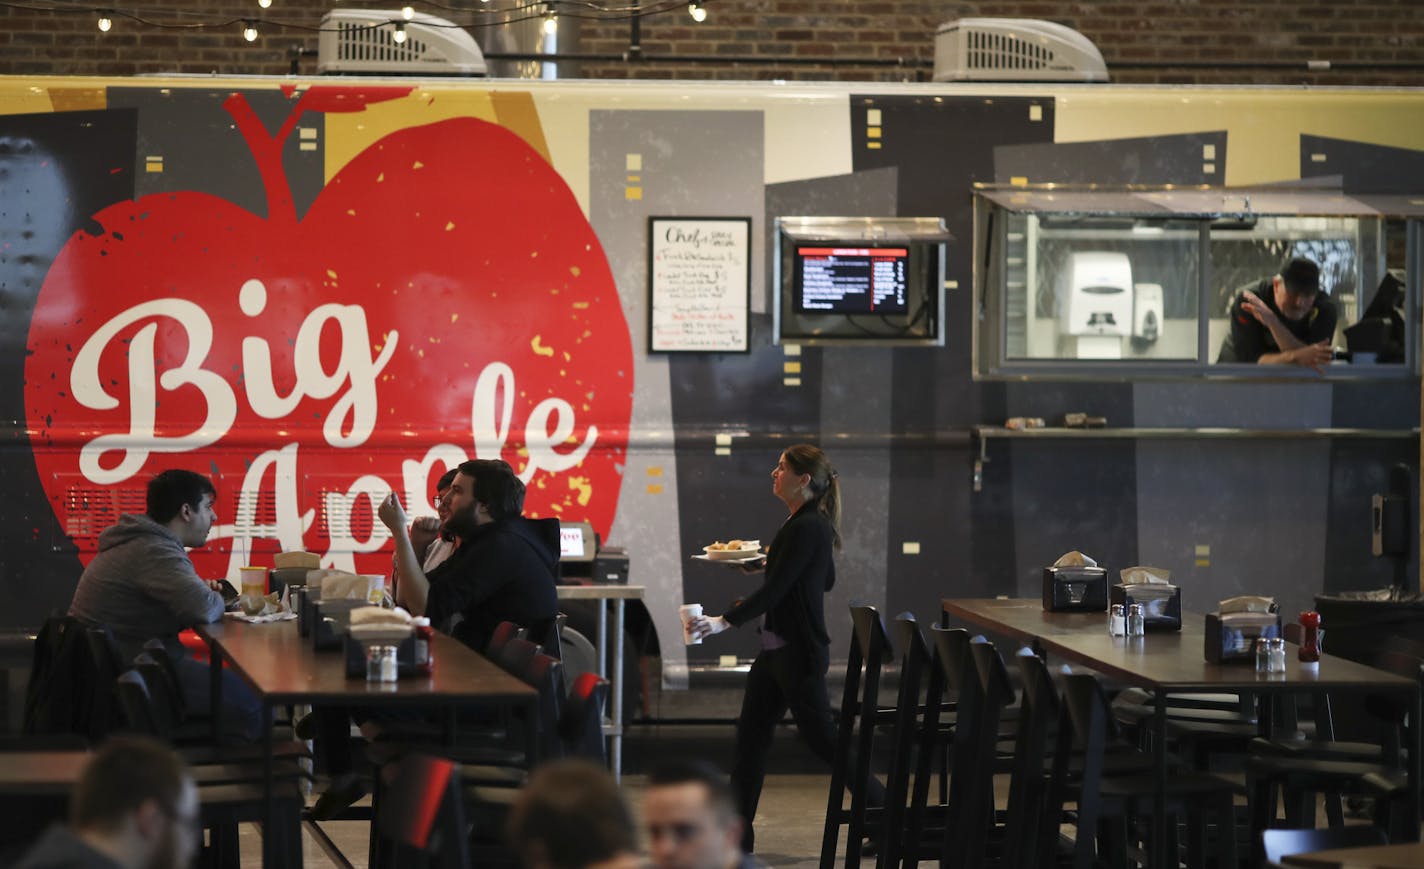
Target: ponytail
[825,486]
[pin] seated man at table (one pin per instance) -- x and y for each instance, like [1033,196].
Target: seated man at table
[134,807]
[142,586]
[504,568]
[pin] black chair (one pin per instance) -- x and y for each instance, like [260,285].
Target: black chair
[581,724]
[974,758]
[1087,729]
[503,633]
[1298,777]
[59,696]
[421,818]
[859,714]
[515,655]
[916,726]
[936,736]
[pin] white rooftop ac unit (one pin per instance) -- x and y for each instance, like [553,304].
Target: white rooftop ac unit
[363,41]
[1015,49]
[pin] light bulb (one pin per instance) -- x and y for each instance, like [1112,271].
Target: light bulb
[265,4]
[407,12]
[399,36]
[551,23]
[249,31]
[697,11]
[105,22]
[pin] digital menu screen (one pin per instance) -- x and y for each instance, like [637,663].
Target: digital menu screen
[851,280]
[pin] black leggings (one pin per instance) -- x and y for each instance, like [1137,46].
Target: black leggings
[779,680]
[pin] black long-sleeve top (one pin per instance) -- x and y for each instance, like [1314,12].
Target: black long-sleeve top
[799,572]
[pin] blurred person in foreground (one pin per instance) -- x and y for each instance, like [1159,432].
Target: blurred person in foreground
[790,670]
[691,818]
[142,585]
[134,807]
[571,815]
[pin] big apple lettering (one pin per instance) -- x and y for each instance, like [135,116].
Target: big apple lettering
[443,297]
[551,422]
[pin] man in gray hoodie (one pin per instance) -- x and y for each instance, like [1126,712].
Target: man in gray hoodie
[143,586]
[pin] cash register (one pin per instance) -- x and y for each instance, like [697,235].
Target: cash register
[582,560]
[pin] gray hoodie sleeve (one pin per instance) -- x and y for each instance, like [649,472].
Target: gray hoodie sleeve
[170,578]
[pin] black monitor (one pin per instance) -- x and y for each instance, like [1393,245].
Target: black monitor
[860,280]
[851,280]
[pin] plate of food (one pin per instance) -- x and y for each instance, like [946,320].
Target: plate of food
[732,550]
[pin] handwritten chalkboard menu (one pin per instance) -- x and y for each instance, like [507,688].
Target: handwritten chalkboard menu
[699,271]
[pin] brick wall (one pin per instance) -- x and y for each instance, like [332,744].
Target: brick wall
[1368,42]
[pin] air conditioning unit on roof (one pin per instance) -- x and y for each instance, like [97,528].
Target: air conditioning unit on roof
[362,41]
[1015,49]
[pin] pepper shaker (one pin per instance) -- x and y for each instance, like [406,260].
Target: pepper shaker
[1136,620]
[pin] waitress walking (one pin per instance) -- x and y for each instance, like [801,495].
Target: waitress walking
[790,671]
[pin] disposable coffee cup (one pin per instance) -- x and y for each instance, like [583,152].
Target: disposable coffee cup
[375,587]
[254,580]
[688,612]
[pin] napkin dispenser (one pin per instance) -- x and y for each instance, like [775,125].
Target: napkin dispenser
[1075,589]
[356,657]
[1231,637]
[330,620]
[304,605]
[1161,603]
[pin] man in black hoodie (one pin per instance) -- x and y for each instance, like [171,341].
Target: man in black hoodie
[504,568]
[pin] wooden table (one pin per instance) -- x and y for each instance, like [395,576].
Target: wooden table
[282,668]
[620,595]
[1407,856]
[1175,661]
[41,773]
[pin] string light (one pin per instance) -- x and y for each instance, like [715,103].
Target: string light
[407,12]
[399,36]
[551,19]
[697,11]
[249,31]
[105,22]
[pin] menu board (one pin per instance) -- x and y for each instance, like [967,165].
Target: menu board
[699,272]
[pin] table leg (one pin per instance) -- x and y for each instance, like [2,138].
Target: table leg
[1159,780]
[616,687]
[601,637]
[215,667]
[1414,743]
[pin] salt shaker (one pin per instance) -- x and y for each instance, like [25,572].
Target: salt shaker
[1263,655]
[1278,655]
[381,664]
[1136,621]
[1117,621]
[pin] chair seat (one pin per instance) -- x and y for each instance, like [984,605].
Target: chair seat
[1300,772]
[1321,749]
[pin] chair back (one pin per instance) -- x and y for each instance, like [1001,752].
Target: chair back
[421,818]
[108,663]
[503,633]
[514,658]
[1031,827]
[164,702]
[1086,720]
[545,675]
[136,706]
[581,724]
[850,765]
[59,697]
[1279,844]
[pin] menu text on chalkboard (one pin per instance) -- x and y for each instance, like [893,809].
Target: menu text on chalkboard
[699,270]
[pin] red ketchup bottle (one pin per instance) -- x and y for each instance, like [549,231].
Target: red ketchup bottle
[1309,637]
[424,646]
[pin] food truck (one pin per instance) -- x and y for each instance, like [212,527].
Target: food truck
[320,291]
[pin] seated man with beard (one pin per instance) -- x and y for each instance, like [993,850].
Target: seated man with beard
[505,566]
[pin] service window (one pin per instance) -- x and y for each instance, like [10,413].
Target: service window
[1144,281]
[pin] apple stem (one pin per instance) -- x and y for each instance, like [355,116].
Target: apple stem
[267,151]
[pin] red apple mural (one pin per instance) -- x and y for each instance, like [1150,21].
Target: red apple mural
[444,298]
